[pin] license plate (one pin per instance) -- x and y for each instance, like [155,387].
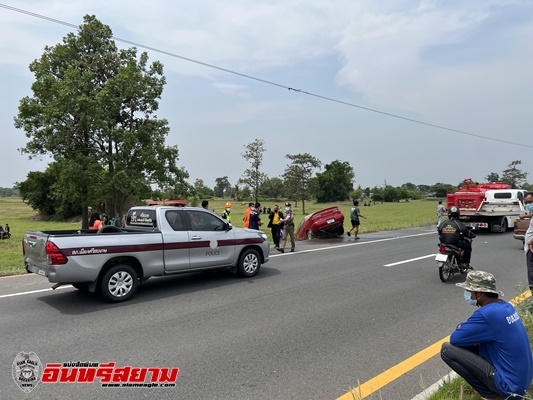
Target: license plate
[477,224]
[441,257]
[41,271]
[331,220]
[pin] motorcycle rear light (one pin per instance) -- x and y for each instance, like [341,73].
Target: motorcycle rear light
[54,255]
[442,249]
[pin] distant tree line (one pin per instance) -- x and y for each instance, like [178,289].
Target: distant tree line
[9,192]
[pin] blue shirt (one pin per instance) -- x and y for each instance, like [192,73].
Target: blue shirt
[503,342]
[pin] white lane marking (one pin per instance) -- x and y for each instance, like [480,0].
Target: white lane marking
[270,256]
[33,291]
[350,244]
[406,261]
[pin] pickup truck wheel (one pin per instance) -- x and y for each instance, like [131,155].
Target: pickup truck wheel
[504,225]
[119,283]
[249,263]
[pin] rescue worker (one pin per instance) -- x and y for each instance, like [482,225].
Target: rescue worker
[454,232]
[226,214]
[246,219]
[288,228]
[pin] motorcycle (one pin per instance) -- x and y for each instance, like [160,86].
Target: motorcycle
[449,260]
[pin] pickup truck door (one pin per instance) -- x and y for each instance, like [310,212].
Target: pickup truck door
[211,244]
[176,241]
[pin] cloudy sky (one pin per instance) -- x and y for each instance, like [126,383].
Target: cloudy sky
[462,65]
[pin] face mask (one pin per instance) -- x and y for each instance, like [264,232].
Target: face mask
[469,299]
[287,208]
[529,207]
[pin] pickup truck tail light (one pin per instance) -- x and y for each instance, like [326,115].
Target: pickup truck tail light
[54,255]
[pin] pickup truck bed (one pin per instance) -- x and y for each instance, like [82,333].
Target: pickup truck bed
[520,228]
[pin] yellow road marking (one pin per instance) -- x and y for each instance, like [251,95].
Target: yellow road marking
[383,379]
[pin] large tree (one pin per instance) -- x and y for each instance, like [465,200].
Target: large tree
[298,176]
[93,111]
[253,177]
[513,175]
[222,187]
[336,182]
[273,188]
[493,177]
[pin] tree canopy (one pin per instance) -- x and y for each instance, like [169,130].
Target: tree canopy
[93,111]
[297,176]
[253,177]
[336,182]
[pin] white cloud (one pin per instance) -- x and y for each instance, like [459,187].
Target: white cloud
[465,65]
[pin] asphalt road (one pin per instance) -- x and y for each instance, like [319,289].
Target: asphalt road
[311,325]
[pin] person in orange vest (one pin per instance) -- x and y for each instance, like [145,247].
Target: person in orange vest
[246,218]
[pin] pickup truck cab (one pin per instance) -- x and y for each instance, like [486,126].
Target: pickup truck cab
[156,241]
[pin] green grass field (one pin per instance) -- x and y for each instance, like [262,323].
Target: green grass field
[380,217]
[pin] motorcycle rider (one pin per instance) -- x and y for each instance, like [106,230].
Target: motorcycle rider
[454,232]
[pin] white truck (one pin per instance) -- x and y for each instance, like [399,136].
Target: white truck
[498,210]
[156,241]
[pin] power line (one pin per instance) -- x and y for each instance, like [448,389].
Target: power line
[156,50]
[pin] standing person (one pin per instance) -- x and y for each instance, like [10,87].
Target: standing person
[205,204]
[255,219]
[491,349]
[274,223]
[246,219]
[226,214]
[355,214]
[95,223]
[528,240]
[441,211]
[288,228]
[7,233]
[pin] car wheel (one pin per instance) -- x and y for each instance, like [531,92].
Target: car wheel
[340,230]
[119,283]
[249,263]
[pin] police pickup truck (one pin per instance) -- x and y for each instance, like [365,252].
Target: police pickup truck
[157,241]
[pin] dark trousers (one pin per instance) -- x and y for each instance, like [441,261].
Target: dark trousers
[275,229]
[474,369]
[529,265]
[467,251]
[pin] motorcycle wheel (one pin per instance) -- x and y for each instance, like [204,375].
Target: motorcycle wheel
[445,270]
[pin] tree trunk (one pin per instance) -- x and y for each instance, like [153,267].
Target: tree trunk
[84,210]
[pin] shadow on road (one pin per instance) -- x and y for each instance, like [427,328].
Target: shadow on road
[76,302]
